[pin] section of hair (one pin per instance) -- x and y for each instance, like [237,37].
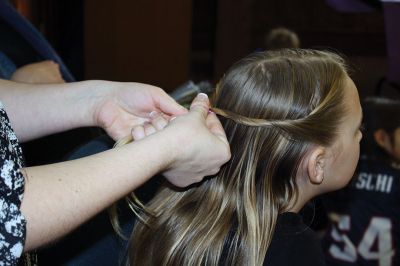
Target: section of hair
[274,106]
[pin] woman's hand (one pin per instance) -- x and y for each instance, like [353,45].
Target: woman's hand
[200,142]
[36,110]
[125,105]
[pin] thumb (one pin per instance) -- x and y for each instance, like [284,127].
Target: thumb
[214,125]
[200,105]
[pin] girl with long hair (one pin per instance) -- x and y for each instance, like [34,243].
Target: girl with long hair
[292,119]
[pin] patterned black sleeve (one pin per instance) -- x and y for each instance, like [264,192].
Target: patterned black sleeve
[12,222]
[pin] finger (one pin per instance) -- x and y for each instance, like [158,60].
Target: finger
[215,171]
[149,129]
[215,126]
[167,104]
[138,133]
[158,121]
[166,117]
[200,105]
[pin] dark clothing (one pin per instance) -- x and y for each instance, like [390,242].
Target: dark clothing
[12,222]
[7,67]
[294,243]
[364,218]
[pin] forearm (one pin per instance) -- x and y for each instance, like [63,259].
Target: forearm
[42,109]
[60,197]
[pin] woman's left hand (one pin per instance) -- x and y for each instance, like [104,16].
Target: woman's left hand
[126,105]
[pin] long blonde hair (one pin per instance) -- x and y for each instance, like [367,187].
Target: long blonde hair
[274,106]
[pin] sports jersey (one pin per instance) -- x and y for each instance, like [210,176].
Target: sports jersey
[365,218]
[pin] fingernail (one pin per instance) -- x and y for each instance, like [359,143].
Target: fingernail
[153,114]
[172,118]
[202,96]
[210,111]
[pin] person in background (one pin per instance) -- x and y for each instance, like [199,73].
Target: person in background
[43,72]
[280,38]
[364,221]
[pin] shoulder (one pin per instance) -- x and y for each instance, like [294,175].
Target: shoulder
[294,243]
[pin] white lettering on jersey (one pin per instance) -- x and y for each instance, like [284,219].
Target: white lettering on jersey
[381,182]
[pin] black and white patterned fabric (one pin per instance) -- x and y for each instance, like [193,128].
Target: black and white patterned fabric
[12,222]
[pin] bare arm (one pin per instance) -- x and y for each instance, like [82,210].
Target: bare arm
[59,197]
[36,110]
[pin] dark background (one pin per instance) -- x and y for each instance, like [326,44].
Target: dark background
[166,43]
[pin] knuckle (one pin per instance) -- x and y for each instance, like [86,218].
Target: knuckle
[200,104]
[159,123]
[198,178]
[228,155]
[215,171]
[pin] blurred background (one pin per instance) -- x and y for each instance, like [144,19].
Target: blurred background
[172,43]
[166,43]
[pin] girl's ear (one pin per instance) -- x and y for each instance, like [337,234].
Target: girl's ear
[316,165]
[382,138]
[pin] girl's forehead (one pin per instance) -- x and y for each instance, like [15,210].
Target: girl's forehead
[352,98]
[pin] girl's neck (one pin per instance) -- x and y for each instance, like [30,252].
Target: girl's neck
[298,205]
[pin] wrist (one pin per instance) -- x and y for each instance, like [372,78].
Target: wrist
[96,93]
[176,143]
[170,146]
